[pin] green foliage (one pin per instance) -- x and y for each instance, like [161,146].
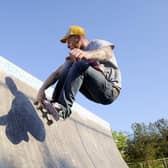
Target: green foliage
[121,141]
[148,142]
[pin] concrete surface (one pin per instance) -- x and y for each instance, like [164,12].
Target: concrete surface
[26,141]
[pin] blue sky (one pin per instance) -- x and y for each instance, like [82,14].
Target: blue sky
[29,37]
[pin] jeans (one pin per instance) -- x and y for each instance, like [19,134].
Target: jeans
[81,76]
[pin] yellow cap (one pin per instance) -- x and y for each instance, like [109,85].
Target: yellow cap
[73,30]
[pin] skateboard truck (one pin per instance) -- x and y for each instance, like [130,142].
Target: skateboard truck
[48,110]
[45,114]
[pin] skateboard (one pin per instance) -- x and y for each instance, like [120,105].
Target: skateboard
[48,111]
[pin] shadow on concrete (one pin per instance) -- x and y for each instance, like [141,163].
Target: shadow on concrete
[64,164]
[4,163]
[21,118]
[57,161]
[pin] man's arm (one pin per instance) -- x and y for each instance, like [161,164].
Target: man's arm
[52,78]
[47,83]
[101,54]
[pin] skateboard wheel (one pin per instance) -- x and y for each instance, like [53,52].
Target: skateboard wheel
[49,122]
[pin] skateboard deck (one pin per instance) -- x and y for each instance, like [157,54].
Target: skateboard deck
[49,111]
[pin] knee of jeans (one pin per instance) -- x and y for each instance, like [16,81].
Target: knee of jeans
[67,67]
[68,64]
[80,66]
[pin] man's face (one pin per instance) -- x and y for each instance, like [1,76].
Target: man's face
[74,42]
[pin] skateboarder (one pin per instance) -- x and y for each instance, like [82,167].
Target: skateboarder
[90,68]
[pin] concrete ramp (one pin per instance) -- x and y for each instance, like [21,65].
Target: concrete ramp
[26,141]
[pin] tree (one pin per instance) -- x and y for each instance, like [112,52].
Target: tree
[121,141]
[162,131]
[148,141]
[141,146]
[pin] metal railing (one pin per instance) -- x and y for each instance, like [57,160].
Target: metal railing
[159,163]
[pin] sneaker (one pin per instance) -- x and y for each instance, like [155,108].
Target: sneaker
[60,110]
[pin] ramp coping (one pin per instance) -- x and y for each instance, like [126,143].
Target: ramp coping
[7,66]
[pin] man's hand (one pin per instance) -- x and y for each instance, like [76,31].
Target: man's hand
[78,55]
[39,99]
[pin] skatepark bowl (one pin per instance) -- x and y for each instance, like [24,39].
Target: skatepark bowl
[82,141]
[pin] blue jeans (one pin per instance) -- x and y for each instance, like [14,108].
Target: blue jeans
[80,76]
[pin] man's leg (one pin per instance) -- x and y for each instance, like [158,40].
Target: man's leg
[90,82]
[72,84]
[96,87]
[61,80]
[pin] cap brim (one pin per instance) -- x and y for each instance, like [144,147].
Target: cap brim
[64,39]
